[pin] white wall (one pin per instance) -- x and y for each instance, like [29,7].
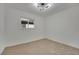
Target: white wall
[64,26]
[14,32]
[2,40]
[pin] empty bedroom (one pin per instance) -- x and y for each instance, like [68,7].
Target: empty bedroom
[39,28]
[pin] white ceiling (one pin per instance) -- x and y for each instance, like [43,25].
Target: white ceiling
[28,7]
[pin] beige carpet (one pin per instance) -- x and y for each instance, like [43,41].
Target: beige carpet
[41,47]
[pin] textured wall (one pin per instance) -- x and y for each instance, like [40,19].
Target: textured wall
[14,32]
[2,40]
[64,26]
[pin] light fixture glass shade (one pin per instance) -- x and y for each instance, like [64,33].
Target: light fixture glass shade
[43,6]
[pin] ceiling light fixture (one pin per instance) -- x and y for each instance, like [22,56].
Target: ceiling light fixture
[43,6]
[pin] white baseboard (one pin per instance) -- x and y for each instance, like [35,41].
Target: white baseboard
[17,43]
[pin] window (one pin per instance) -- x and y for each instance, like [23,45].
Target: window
[27,23]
